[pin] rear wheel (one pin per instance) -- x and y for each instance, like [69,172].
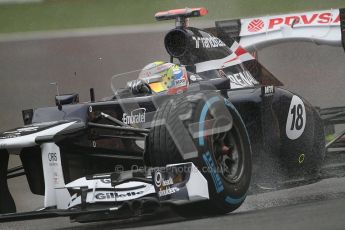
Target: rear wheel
[319,148]
[207,130]
[304,156]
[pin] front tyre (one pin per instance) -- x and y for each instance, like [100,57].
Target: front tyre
[205,129]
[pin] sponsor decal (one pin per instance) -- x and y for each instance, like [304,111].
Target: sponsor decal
[52,157]
[180,79]
[213,170]
[160,182]
[168,191]
[241,80]
[167,182]
[158,179]
[256,25]
[164,183]
[268,90]
[180,82]
[210,42]
[114,195]
[137,116]
[304,19]
[53,160]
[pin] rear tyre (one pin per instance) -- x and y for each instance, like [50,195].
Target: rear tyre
[207,130]
[319,148]
[304,156]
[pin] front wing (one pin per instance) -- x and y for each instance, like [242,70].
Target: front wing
[125,194]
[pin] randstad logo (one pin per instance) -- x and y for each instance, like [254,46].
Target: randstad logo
[137,116]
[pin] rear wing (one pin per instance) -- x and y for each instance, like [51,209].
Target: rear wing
[321,27]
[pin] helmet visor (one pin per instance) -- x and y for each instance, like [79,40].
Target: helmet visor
[158,87]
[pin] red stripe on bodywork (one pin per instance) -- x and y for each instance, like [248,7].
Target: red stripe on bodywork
[231,60]
[240,51]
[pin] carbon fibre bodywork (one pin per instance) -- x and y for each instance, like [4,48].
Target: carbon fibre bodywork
[78,140]
[265,117]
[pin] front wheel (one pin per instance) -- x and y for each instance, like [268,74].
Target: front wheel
[205,129]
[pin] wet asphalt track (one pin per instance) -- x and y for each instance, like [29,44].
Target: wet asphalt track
[314,206]
[27,68]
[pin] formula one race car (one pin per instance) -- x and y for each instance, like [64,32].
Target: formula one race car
[187,133]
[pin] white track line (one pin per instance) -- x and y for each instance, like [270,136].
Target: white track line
[99,31]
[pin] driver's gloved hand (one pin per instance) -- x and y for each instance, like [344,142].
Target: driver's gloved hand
[139,87]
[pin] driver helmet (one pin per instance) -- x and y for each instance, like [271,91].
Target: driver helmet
[164,76]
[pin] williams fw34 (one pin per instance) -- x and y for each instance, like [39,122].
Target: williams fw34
[194,133]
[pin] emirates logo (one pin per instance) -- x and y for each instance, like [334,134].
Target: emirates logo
[256,25]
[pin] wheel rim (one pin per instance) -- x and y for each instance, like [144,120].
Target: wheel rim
[229,155]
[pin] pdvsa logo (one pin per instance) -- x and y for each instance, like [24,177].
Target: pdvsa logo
[256,25]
